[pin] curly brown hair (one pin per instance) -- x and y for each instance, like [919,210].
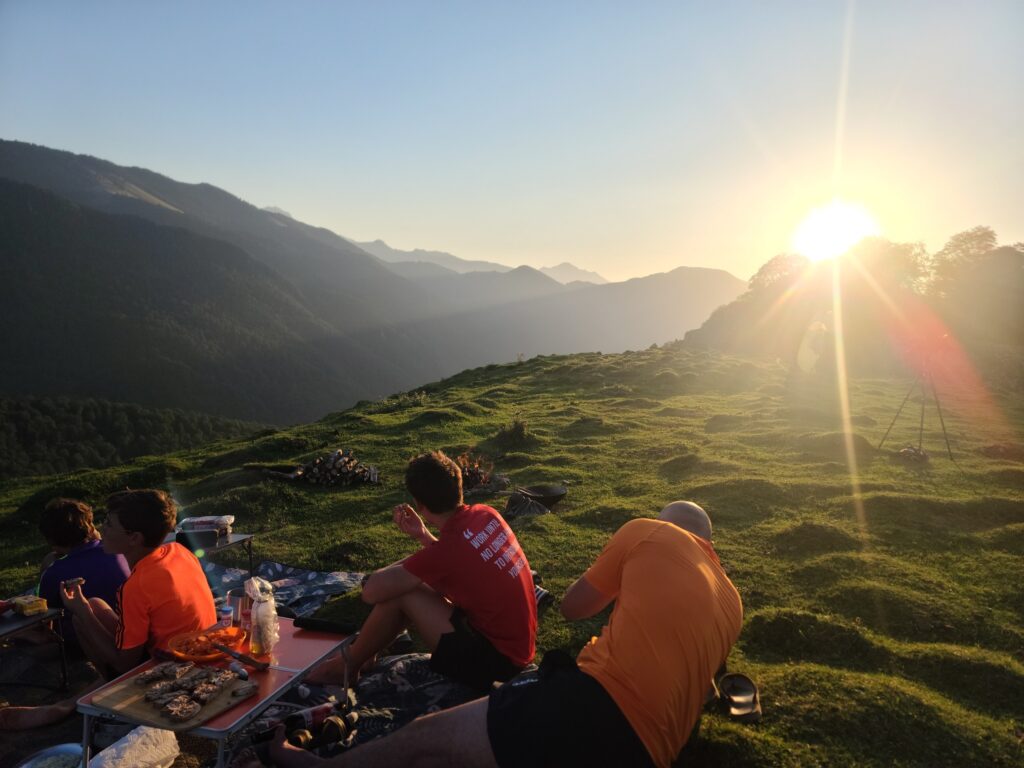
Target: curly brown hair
[67,523]
[435,481]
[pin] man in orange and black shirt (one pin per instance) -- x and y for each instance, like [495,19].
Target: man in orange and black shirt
[166,593]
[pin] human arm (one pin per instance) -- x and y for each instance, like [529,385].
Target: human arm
[411,524]
[96,636]
[594,590]
[49,587]
[51,557]
[582,600]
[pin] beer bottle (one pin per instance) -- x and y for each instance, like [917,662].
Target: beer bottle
[300,738]
[335,729]
[312,718]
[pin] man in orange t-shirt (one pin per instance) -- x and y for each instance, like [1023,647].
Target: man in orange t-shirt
[633,695]
[166,593]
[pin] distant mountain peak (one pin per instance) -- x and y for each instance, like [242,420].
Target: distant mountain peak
[386,253]
[278,211]
[566,273]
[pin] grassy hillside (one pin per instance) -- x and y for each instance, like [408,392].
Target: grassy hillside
[889,633]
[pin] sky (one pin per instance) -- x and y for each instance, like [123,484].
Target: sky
[626,138]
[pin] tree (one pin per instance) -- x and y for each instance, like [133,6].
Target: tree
[786,267]
[901,266]
[959,254]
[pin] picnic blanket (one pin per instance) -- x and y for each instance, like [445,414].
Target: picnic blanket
[302,590]
[398,689]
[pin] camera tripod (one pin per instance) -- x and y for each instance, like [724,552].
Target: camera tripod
[924,382]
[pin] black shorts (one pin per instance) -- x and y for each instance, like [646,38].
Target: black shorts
[467,657]
[560,716]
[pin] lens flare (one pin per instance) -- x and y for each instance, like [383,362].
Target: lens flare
[831,230]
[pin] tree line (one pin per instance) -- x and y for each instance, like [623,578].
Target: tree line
[54,435]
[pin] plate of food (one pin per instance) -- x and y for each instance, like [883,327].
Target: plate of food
[199,646]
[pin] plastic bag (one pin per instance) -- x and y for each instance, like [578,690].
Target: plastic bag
[265,626]
[144,747]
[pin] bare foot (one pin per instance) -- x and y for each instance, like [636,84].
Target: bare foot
[19,718]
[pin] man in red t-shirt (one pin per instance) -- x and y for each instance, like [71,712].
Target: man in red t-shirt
[468,593]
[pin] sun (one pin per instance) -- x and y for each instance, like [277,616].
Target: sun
[831,230]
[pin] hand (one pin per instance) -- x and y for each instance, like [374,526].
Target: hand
[285,755]
[410,523]
[74,601]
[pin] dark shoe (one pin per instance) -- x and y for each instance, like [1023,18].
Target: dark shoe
[740,697]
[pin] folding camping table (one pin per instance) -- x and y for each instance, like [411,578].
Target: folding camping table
[296,653]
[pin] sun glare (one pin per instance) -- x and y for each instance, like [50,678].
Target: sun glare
[832,229]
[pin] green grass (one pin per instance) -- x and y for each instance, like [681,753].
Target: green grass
[884,632]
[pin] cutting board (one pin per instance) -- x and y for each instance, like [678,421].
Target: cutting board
[127,699]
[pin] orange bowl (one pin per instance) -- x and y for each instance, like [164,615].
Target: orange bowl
[198,646]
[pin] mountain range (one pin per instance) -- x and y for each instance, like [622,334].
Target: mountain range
[563,273]
[124,284]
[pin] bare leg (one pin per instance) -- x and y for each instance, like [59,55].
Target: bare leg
[93,646]
[422,609]
[19,718]
[455,737]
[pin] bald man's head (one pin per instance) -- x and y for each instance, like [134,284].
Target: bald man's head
[688,516]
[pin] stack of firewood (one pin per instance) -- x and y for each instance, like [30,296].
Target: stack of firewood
[338,468]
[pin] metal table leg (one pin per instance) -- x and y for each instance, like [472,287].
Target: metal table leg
[59,631]
[248,546]
[87,725]
[222,753]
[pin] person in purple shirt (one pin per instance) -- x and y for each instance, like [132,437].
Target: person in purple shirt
[67,526]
